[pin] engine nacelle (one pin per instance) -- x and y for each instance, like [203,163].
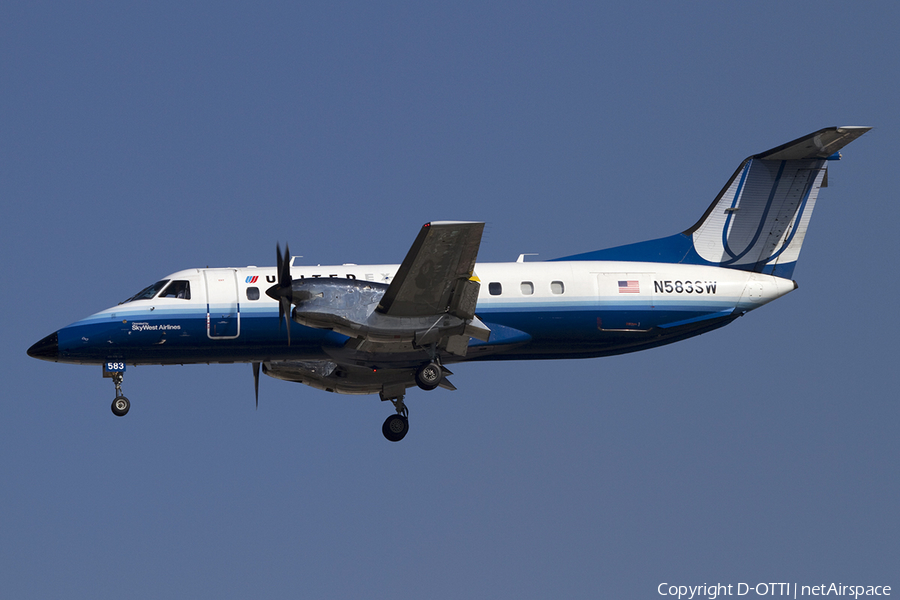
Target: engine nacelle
[348,307]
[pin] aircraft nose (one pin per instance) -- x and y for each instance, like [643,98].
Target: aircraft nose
[46,349]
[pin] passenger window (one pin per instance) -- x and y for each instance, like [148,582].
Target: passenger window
[252,293]
[178,289]
[527,288]
[495,289]
[557,287]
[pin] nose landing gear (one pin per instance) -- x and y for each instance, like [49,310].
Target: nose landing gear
[121,404]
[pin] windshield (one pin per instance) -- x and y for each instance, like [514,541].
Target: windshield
[147,292]
[177,289]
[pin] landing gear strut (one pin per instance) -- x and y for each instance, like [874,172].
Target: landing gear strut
[396,426]
[121,404]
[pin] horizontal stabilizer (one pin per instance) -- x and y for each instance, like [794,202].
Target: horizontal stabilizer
[821,144]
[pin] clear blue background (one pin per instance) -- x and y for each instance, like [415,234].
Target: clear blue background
[140,139]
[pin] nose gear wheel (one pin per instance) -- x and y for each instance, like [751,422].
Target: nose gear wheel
[120,405]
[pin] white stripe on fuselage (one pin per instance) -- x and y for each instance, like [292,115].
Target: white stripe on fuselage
[569,283]
[555,285]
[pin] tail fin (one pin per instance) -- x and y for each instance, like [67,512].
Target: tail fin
[759,219]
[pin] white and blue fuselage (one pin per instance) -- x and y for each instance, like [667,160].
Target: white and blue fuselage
[555,309]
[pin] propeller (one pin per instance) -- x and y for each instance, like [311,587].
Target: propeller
[256,382]
[282,291]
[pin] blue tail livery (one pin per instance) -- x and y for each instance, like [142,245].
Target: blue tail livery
[758,221]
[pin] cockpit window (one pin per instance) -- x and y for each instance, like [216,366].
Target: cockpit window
[177,289]
[148,292]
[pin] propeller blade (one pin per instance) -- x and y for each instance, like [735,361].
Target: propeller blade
[278,262]
[282,291]
[285,273]
[284,308]
[256,382]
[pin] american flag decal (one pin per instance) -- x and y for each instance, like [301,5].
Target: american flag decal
[629,287]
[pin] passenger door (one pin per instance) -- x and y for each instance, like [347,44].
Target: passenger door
[223,311]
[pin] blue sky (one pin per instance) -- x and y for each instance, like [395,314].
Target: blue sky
[137,140]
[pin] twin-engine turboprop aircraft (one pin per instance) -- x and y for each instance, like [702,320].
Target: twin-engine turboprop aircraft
[381,329]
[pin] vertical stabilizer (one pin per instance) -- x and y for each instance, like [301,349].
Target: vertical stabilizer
[758,221]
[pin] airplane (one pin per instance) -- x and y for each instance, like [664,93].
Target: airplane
[382,329]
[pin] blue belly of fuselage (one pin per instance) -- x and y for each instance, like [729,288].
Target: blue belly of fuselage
[184,336]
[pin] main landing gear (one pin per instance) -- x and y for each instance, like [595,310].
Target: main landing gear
[429,376]
[121,404]
[396,426]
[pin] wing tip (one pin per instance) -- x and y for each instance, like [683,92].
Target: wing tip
[440,223]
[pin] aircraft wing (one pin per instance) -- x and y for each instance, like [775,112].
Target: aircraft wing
[436,275]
